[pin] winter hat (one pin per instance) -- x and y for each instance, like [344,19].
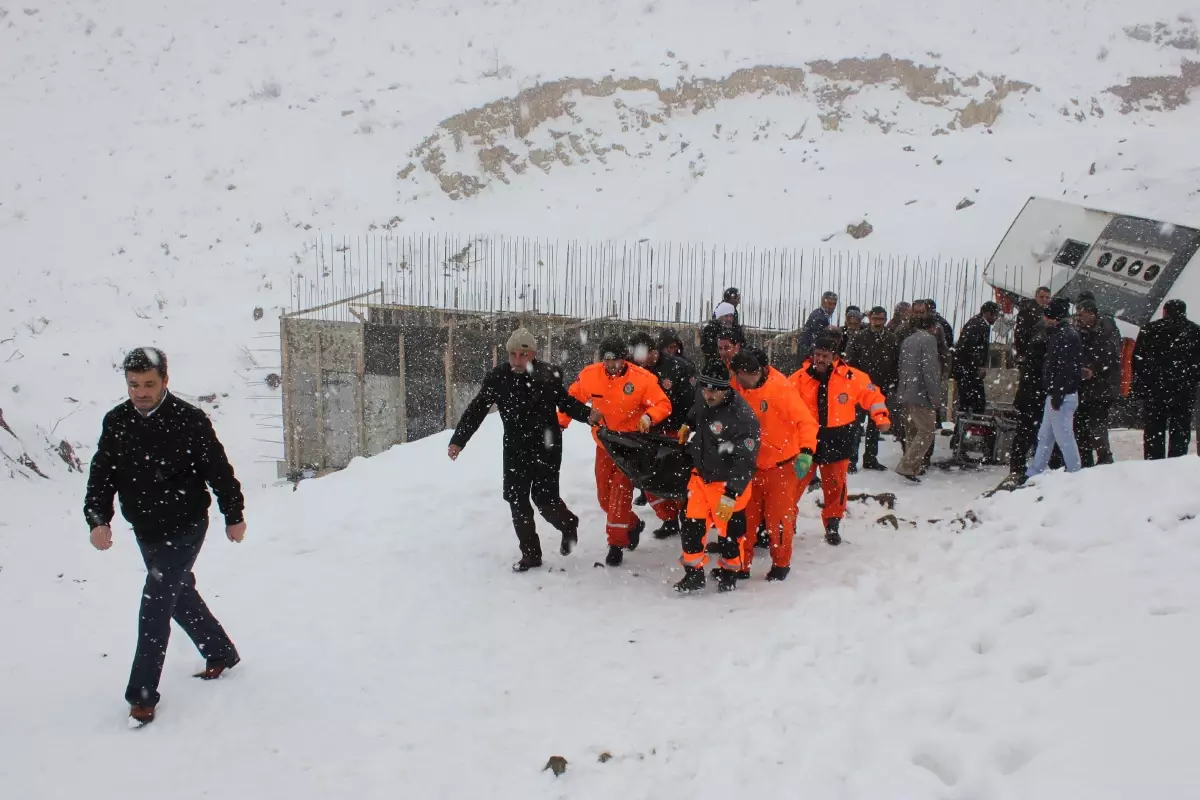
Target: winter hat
[829,340]
[521,341]
[731,294]
[613,347]
[714,375]
[1059,309]
[724,310]
[668,337]
[745,361]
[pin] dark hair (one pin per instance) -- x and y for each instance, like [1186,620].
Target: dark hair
[614,345]
[1175,309]
[930,322]
[990,307]
[667,337]
[643,339]
[1045,289]
[829,296]
[877,310]
[745,361]
[145,359]
[731,334]
[931,304]
[731,292]
[853,310]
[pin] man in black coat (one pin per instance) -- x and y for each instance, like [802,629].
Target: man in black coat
[724,324]
[1029,347]
[971,359]
[1062,374]
[875,350]
[160,455]
[944,324]
[724,451]
[529,393]
[1166,369]
[1100,385]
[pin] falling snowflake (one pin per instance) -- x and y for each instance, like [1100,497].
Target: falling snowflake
[640,352]
[583,336]
[151,355]
[1166,229]
[548,438]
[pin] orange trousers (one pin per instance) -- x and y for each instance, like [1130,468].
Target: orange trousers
[700,512]
[833,484]
[614,490]
[665,509]
[773,498]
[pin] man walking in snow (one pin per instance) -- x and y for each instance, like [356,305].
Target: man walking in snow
[624,398]
[528,393]
[819,321]
[1100,386]
[833,392]
[723,325]
[920,396]
[876,351]
[160,455]
[723,449]
[1166,368]
[787,442]
[1029,348]
[1062,373]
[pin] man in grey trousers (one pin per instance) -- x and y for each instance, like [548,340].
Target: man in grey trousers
[920,395]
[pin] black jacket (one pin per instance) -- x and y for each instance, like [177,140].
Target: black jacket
[818,321]
[528,403]
[1166,359]
[1030,330]
[1062,371]
[159,467]
[947,330]
[724,444]
[971,354]
[677,377]
[1102,355]
[711,333]
[878,355]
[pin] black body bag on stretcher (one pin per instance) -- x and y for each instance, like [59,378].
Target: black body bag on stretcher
[658,465]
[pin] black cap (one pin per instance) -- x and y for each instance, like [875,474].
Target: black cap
[667,337]
[613,347]
[828,340]
[989,307]
[745,361]
[714,375]
[1059,309]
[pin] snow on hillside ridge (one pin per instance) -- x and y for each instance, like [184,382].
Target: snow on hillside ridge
[165,166]
[1046,652]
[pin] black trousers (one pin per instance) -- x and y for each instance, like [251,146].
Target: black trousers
[1168,428]
[861,421]
[971,395]
[170,593]
[1091,434]
[532,473]
[692,534]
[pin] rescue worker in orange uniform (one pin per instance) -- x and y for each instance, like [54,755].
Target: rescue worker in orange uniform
[724,448]
[787,442]
[624,398]
[833,392]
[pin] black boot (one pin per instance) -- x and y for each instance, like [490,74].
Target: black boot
[853,468]
[832,534]
[740,575]
[527,563]
[614,557]
[727,580]
[569,540]
[635,535]
[640,500]
[693,580]
[1104,457]
[778,573]
[668,529]
[763,539]
[874,466]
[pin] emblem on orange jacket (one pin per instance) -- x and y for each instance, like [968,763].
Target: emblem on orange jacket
[763,405]
[843,398]
[628,388]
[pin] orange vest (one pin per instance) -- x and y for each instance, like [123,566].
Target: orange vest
[622,399]
[848,389]
[786,426]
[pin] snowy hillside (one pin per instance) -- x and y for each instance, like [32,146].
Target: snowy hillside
[1046,652]
[165,165]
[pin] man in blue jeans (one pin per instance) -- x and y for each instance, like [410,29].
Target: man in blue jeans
[160,455]
[1062,375]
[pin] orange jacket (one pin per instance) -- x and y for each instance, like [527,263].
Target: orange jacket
[835,403]
[786,426]
[622,399]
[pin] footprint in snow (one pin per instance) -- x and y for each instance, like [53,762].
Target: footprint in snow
[945,765]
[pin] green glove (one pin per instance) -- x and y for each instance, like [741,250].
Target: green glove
[803,465]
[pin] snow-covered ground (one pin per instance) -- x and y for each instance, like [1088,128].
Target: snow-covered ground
[1047,652]
[161,167]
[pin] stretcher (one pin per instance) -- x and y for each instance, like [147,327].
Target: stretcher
[658,465]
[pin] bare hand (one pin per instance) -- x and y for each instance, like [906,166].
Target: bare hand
[453,452]
[595,418]
[236,532]
[645,423]
[1087,374]
[101,537]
